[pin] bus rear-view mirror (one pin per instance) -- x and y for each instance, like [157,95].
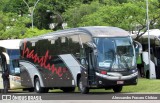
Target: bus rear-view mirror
[138,47]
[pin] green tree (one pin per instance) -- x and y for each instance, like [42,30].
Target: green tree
[12,25]
[73,16]
[29,32]
[42,18]
[14,6]
[125,16]
[3,23]
[129,15]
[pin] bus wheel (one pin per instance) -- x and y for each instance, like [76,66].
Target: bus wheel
[45,90]
[117,89]
[82,89]
[68,89]
[147,74]
[37,86]
[31,89]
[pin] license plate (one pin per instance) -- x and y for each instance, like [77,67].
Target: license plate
[120,82]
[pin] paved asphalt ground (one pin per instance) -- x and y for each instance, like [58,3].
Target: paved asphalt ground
[76,97]
[89,96]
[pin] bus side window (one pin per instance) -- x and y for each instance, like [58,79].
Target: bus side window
[64,45]
[16,67]
[74,45]
[85,38]
[138,48]
[15,63]
[83,59]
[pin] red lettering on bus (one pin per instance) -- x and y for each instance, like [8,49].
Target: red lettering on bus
[42,61]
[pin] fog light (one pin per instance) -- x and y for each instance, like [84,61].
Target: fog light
[100,82]
[133,71]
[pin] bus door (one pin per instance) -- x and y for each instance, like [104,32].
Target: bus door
[91,68]
[84,68]
[1,80]
[88,73]
[157,56]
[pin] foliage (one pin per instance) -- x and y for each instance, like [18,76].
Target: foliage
[15,15]
[73,16]
[42,18]
[28,33]
[127,14]
[11,25]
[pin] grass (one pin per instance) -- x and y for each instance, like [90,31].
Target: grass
[143,86]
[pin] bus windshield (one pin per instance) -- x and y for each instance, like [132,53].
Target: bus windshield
[115,54]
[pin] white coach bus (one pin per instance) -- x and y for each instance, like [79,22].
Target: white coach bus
[9,50]
[152,72]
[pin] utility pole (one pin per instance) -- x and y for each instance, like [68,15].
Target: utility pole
[32,10]
[147,23]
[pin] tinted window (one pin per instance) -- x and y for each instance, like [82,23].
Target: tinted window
[74,44]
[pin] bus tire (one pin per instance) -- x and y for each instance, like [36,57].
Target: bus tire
[117,89]
[45,90]
[68,89]
[31,89]
[147,74]
[82,89]
[37,86]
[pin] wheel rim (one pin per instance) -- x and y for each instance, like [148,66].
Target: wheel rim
[37,86]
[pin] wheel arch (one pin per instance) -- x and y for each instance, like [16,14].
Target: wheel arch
[33,72]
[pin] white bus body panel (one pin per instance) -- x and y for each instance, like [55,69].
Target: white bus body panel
[10,44]
[152,71]
[1,82]
[15,82]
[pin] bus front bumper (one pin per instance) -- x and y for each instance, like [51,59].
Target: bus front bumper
[107,80]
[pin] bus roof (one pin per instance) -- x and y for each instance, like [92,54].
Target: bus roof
[10,44]
[105,31]
[154,33]
[94,31]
